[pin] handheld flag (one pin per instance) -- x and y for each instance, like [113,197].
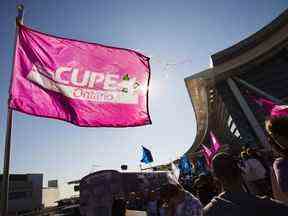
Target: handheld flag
[207,154]
[83,83]
[146,156]
[185,165]
[215,143]
[215,147]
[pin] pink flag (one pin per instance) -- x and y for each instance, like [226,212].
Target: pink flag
[210,153]
[87,84]
[207,154]
[265,103]
[215,143]
[271,108]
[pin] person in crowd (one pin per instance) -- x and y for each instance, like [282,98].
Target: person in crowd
[118,207]
[134,202]
[242,159]
[234,200]
[253,153]
[152,208]
[180,202]
[277,128]
[162,207]
[205,188]
[254,174]
[263,184]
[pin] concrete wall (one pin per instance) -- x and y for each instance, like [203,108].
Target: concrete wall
[50,196]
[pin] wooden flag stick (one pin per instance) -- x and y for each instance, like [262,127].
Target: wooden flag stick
[7,152]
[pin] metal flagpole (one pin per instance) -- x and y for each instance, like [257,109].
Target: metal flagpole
[5,178]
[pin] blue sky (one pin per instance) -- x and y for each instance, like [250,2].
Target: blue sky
[182,33]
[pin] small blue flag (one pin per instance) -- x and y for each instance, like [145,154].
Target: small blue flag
[185,165]
[147,156]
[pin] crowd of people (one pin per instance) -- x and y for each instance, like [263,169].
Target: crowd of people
[245,184]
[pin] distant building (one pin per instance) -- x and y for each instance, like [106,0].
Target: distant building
[50,194]
[25,192]
[222,95]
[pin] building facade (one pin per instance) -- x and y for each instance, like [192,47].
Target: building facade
[50,194]
[25,192]
[222,95]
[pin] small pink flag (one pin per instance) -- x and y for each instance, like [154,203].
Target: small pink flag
[215,143]
[210,153]
[83,83]
[207,154]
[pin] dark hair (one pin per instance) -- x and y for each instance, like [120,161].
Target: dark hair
[118,207]
[278,126]
[169,190]
[225,167]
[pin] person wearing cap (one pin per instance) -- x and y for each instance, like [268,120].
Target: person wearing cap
[234,200]
[180,202]
[277,128]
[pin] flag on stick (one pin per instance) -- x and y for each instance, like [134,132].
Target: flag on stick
[215,147]
[215,143]
[83,83]
[185,165]
[146,156]
[207,154]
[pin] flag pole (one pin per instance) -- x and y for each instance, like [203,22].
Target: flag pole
[7,152]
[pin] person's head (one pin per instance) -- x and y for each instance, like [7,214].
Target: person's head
[244,155]
[118,206]
[277,128]
[203,189]
[168,191]
[132,195]
[152,195]
[226,170]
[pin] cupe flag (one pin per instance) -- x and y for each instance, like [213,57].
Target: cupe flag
[83,83]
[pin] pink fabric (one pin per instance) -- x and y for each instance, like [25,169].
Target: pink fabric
[84,83]
[210,153]
[267,104]
[215,143]
[207,154]
[271,108]
[207,151]
[279,110]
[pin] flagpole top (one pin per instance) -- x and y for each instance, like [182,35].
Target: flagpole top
[20,7]
[20,10]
